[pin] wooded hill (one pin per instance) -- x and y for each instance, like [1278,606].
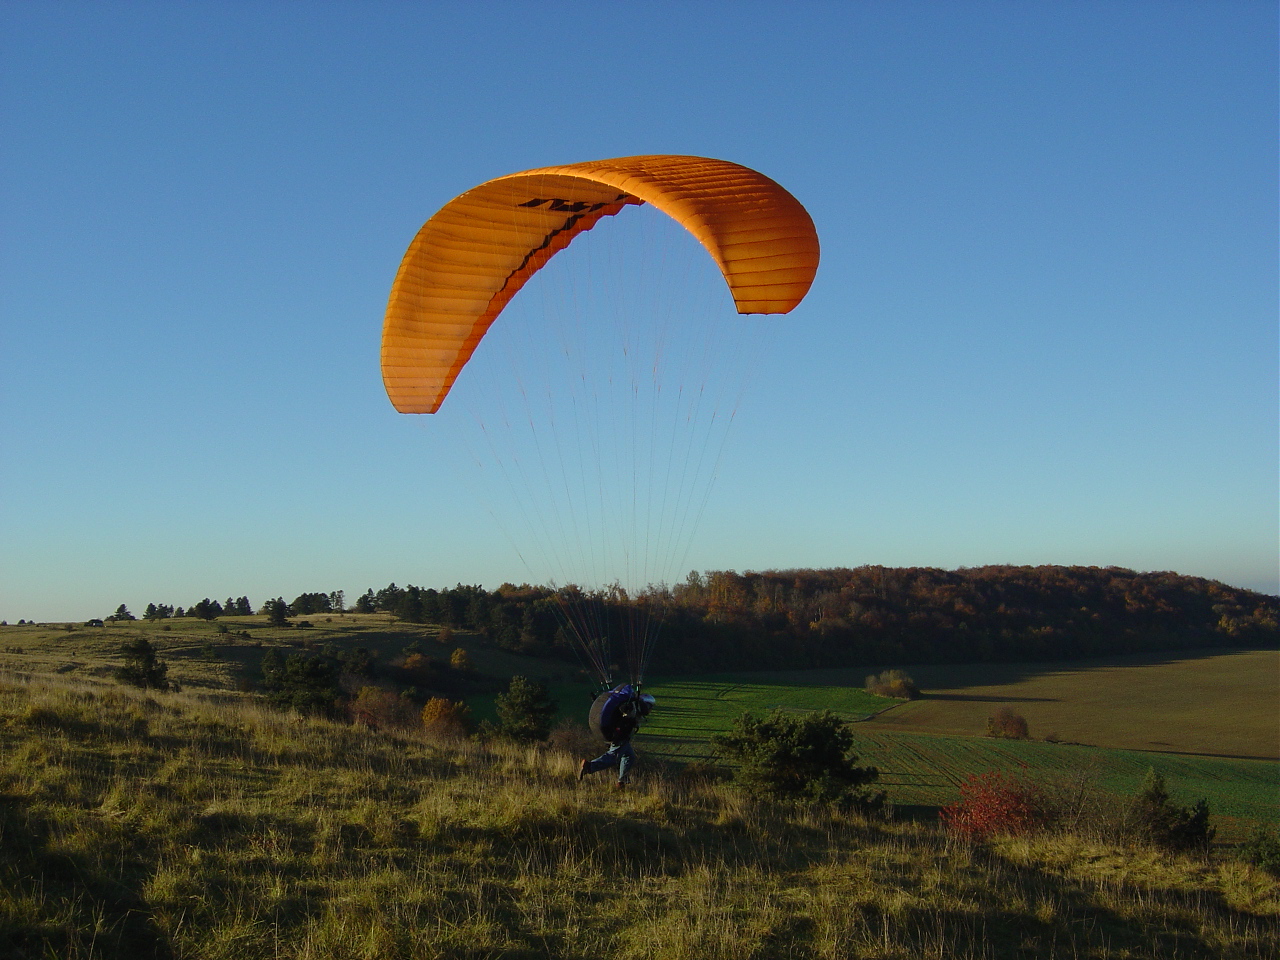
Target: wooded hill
[871,615]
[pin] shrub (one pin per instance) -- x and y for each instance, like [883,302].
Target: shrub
[1077,801]
[380,709]
[893,683]
[703,772]
[142,668]
[995,803]
[1007,724]
[41,715]
[799,757]
[1262,849]
[1160,821]
[575,739]
[447,719]
[525,711]
[307,684]
[422,671]
[460,660]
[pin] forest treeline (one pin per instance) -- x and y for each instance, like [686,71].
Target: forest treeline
[869,615]
[863,616]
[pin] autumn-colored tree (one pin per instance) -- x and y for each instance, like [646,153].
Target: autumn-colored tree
[460,660]
[423,672]
[380,709]
[447,719]
[415,662]
[1008,725]
[893,683]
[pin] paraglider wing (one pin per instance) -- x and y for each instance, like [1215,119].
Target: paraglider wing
[474,255]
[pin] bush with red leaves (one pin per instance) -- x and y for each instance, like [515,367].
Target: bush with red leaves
[996,803]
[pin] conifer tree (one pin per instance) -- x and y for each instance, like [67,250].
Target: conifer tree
[142,668]
[525,711]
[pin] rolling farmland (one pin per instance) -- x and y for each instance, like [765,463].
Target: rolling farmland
[924,759]
[1219,703]
[1223,703]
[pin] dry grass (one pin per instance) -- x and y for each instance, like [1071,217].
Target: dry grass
[175,825]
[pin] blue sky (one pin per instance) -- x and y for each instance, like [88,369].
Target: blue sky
[1044,328]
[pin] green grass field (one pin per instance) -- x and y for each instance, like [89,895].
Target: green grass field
[920,767]
[692,710]
[1218,703]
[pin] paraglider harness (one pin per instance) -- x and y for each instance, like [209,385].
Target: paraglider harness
[616,714]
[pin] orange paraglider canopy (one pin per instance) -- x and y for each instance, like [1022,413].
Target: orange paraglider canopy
[471,258]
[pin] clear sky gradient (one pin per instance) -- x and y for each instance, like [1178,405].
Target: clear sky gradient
[1044,329]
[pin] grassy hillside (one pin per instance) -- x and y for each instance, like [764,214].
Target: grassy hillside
[224,654]
[1211,702]
[184,825]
